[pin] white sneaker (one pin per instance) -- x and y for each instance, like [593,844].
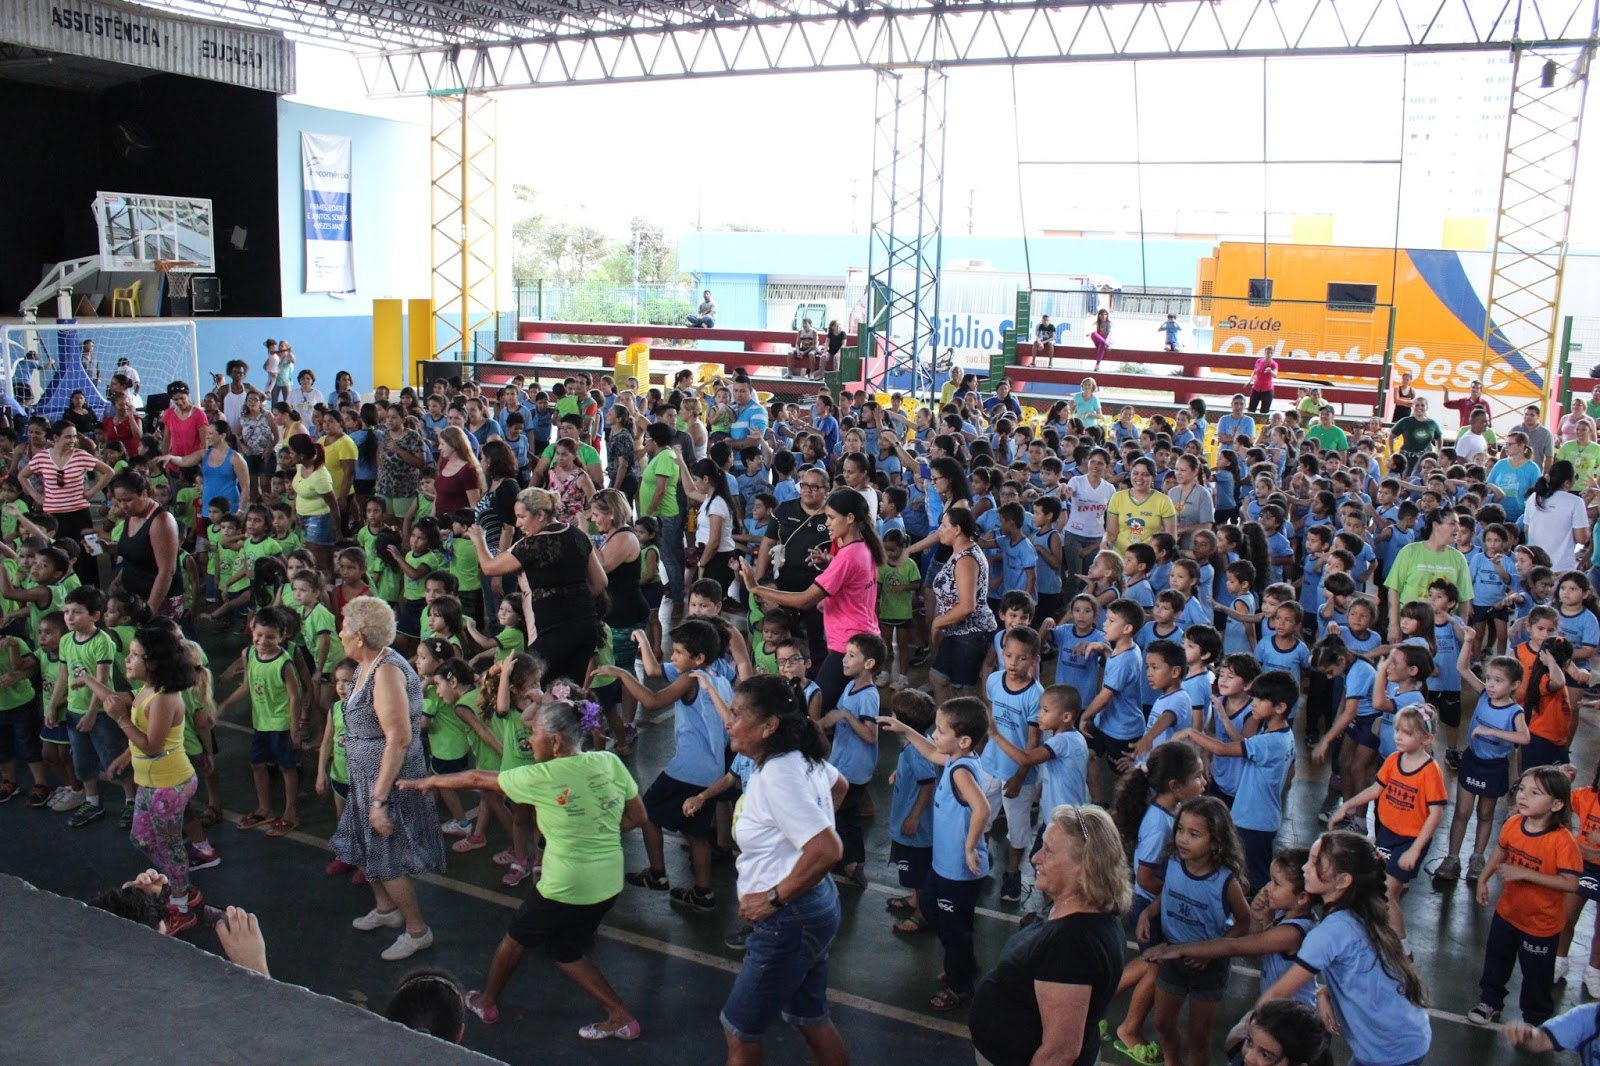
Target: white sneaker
[1591,982]
[407,946]
[376,919]
[66,799]
[458,828]
[1562,962]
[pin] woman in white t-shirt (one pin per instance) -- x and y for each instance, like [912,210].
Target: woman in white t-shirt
[787,846]
[1087,496]
[713,535]
[1556,518]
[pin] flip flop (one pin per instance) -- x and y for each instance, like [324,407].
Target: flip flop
[623,1032]
[281,827]
[1147,1054]
[255,821]
[912,923]
[486,1015]
[901,905]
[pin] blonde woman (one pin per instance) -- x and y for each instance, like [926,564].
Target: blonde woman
[1086,405]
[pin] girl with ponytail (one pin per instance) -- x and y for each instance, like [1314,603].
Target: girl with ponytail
[1370,992]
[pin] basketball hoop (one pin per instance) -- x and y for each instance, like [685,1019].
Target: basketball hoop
[173,276]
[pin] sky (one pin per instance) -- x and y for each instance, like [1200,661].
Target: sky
[1031,149]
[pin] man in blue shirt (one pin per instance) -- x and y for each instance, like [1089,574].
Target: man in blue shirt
[749,417]
[1235,424]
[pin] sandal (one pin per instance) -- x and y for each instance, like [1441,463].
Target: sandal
[628,1031]
[470,842]
[948,999]
[7,790]
[254,820]
[486,1015]
[281,827]
[1147,1054]
[901,905]
[505,858]
[912,923]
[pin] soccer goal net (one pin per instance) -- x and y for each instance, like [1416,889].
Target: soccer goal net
[42,365]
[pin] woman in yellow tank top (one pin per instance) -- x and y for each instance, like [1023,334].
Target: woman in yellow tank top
[153,723]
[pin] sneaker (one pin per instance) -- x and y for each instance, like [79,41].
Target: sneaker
[376,919]
[1482,1014]
[203,858]
[920,656]
[66,799]
[487,1015]
[458,828]
[407,945]
[1591,981]
[515,874]
[8,789]
[696,899]
[87,812]
[654,880]
[470,842]
[1562,964]
[38,796]
[179,922]
[1323,816]
[1011,887]
[1448,870]
[1452,759]
[741,936]
[1475,867]
[125,819]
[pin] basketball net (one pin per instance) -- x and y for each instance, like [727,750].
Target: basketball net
[173,276]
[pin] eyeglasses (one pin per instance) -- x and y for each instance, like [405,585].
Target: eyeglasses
[812,485]
[61,480]
[793,660]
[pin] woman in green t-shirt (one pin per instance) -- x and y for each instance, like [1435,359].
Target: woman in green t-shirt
[1431,556]
[584,801]
[1417,433]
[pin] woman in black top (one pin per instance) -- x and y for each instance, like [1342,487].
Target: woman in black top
[496,511]
[148,550]
[1045,1000]
[835,344]
[626,609]
[560,575]
[83,420]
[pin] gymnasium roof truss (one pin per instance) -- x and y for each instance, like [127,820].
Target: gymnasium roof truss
[411,47]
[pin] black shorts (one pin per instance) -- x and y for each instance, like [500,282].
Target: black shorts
[449,766]
[1362,732]
[1589,883]
[653,595]
[564,930]
[1050,606]
[1205,982]
[1111,748]
[1448,704]
[1481,615]
[912,863]
[1541,752]
[365,485]
[1484,777]
[273,748]
[663,802]
[1390,847]
[340,788]
[959,659]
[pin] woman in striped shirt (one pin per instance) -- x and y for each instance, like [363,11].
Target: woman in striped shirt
[56,483]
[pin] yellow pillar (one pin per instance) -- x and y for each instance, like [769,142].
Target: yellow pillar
[420,314]
[388,343]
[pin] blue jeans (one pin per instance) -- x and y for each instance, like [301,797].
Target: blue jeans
[97,749]
[785,969]
[671,542]
[702,321]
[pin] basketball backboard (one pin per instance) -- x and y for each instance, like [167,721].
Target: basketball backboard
[137,229]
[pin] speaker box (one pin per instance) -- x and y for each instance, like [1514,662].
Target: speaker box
[206,293]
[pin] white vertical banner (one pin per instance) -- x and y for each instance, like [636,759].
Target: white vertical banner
[330,250]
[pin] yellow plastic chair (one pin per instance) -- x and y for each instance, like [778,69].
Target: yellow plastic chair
[764,398]
[128,297]
[706,373]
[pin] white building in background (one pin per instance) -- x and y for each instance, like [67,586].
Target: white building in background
[1454,143]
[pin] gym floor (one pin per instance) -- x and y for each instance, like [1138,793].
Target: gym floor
[670,966]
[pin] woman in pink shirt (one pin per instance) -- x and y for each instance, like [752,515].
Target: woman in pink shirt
[847,590]
[184,423]
[1261,379]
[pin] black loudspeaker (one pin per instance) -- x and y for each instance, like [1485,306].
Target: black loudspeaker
[206,294]
[438,370]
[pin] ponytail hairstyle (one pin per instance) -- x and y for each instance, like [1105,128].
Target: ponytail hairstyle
[1298,1031]
[1366,899]
[768,696]
[1253,549]
[1418,659]
[1175,760]
[267,579]
[1560,649]
[1559,477]
[1331,653]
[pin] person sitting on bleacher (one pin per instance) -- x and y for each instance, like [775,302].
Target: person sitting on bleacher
[1002,401]
[805,351]
[708,313]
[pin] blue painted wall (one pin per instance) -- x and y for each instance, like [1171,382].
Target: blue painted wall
[324,344]
[389,206]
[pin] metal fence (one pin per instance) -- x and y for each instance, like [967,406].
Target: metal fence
[659,304]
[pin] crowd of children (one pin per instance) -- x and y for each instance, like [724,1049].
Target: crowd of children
[1159,670]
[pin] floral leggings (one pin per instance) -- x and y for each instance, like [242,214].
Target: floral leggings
[158,816]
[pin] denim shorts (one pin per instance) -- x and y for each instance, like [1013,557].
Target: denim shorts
[318,529]
[959,659]
[785,971]
[97,749]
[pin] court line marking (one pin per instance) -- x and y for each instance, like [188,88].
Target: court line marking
[717,962]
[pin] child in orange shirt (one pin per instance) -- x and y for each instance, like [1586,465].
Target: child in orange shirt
[1538,864]
[1545,659]
[1586,805]
[1411,798]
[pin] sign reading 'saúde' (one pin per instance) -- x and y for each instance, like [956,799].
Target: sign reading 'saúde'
[140,37]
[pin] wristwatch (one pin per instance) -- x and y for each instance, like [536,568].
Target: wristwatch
[772,898]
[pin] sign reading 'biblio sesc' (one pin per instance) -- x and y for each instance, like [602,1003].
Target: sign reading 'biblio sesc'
[140,37]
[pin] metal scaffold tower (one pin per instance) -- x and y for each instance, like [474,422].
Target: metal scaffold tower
[900,333]
[1549,84]
[464,165]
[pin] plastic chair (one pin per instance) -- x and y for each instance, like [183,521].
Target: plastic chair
[128,297]
[708,372]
